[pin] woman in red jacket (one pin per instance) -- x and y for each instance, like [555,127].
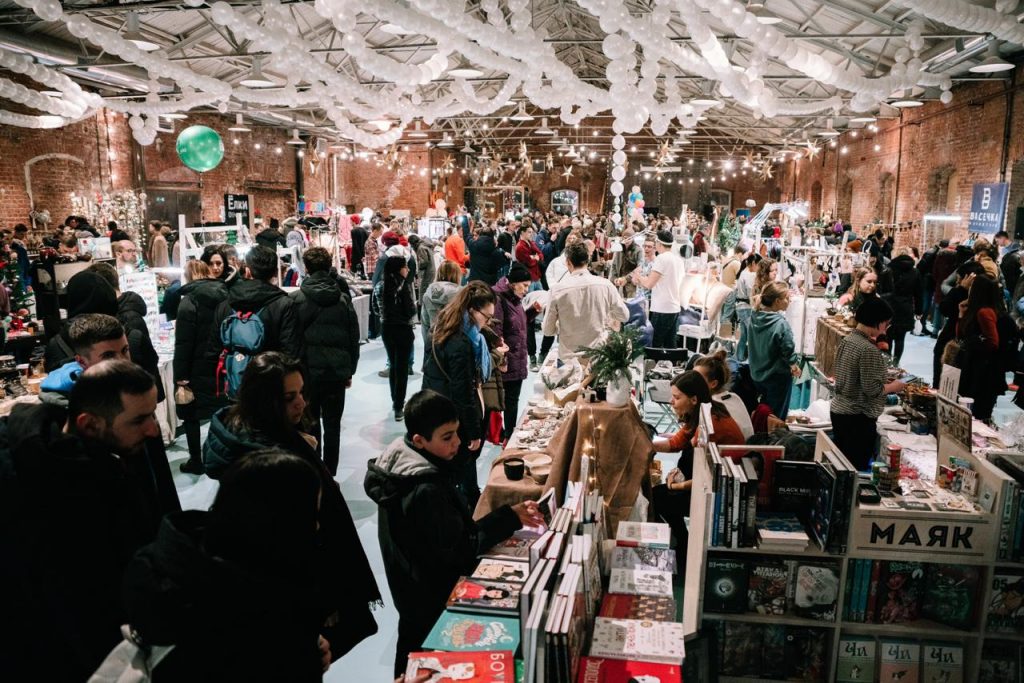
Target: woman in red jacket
[982,377]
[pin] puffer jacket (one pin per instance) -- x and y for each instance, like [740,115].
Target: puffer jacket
[451,370]
[427,537]
[329,328]
[900,287]
[195,357]
[399,309]
[271,239]
[485,260]
[509,322]
[435,298]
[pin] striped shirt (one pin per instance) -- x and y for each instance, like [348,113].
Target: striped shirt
[860,377]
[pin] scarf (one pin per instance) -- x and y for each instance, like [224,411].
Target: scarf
[480,350]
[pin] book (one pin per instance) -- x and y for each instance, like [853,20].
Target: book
[455,631]
[795,486]
[619,606]
[643,535]
[815,590]
[856,660]
[512,571]
[725,586]
[806,658]
[900,660]
[773,651]
[781,530]
[663,559]
[767,587]
[640,640]
[820,511]
[872,579]
[1006,606]
[484,597]
[942,662]
[468,667]
[950,594]
[899,592]
[516,546]
[1000,662]
[640,582]
[604,670]
[742,649]
[764,459]
[750,472]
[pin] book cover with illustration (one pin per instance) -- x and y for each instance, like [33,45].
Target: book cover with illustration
[725,586]
[465,667]
[767,587]
[942,663]
[795,486]
[458,632]
[900,586]
[856,663]
[742,649]
[642,535]
[950,594]
[516,546]
[815,590]
[603,670]
[640,582]
[470,595]
[900,660]
[662,559]
[620,606]
[638,639]
[1006,606]
[1000,662]
[511,571]
[781,528]
[806,654]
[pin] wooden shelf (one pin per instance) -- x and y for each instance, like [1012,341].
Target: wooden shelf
[781,620]
[748,679]
[910,629]
[1013,637]
[811,551]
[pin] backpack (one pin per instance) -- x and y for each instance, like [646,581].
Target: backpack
[130,661]
[242,336]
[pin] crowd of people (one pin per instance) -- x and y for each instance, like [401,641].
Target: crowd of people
[93,530]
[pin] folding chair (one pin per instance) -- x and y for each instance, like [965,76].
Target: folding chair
[658,390]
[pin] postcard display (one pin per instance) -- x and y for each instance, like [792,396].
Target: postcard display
[535,609]
[796,579]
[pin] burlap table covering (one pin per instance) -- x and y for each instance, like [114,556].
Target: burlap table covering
[617,440]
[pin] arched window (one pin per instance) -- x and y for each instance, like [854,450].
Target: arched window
[938,189]
[565,202]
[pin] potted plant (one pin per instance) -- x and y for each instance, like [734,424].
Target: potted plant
[611,361]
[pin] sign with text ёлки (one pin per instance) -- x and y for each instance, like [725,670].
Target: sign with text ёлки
[988,208]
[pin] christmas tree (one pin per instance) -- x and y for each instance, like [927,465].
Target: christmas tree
[20,295]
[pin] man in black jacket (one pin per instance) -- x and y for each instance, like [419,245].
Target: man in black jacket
[330,354]
[271,238]
[257,293]
[78,496]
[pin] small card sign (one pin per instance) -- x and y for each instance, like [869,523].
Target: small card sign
[949,384]
[954,427]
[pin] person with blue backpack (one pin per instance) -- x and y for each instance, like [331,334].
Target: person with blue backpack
[257,316]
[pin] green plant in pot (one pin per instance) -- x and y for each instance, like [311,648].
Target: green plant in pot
[611,363]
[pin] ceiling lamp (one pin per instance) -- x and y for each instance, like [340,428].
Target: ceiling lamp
[572,152]
[416,132]
[867,118]
[829,131]
[521,113]
[134,36]
[256,79]
[544,130]
[993,63]
[467,148]
[395,30]
[294,140]
[706,98]
[446,141]
[485,154]
[564,147]
[463,69]
[239,126]
[906,102]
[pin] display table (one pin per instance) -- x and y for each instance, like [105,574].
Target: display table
[616,438]
[826,343]
[362,305]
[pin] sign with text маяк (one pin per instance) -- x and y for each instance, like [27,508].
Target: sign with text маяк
[988,208]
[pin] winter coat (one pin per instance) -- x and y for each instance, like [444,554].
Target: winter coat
[1010,266]
[485,260]
[435,298]
[924,269]
[176,593]
[425,270]
[524,253]
[455,250]
[427,537]
[131,313]
[451,370]
[506,241]
[398,308]
[766,340]
[901,289]
[509,322]
[158,254]
[71,516]
[342,552]
[195,356]
[944,265]
[280,322]
[625,262]
[329,328]
[271,239]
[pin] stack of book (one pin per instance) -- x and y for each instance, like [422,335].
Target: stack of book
[1011,505]
[772,587]
[781,531]
[893,591]
[898,660]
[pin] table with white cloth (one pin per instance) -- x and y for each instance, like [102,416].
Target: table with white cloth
[362,305]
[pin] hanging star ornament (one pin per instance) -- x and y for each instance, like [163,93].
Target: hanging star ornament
[448,163]
[567,173]
[766,170]
[812,150]
[550,161]
[524,155]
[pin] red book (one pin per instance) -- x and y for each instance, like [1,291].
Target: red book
[465,667]
[600,670]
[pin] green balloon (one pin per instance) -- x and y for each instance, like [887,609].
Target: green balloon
[200,148]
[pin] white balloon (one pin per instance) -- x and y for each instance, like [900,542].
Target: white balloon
[618,173]
[616,188]
[946,97]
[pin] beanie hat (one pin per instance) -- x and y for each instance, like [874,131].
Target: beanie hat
[518,273]
[389,239]
[873,311]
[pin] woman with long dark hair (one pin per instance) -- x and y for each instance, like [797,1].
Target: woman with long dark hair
[214,260]
[982,375]
[235,590]
[195,358]
[745,288]
[397,311]
[268,414]
[457,363]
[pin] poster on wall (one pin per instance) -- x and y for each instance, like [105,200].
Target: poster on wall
[988,208]
[237,205]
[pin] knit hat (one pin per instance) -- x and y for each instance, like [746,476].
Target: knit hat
[390,239]
[518,273]
[873,311]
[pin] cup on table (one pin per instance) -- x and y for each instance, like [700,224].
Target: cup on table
[515,468]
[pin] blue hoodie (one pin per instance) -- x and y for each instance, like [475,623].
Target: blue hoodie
[62,379]
[767,341]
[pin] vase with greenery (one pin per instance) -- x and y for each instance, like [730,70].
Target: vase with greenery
[611,362]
